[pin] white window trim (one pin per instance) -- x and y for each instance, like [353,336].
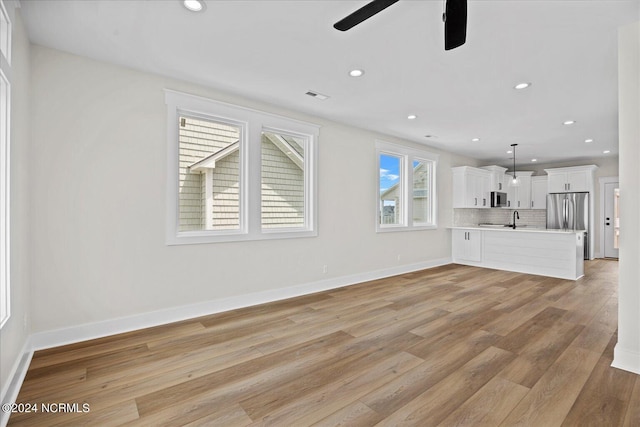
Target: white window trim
[407,156]
[307,163]
[5,171]
[253,123]
[3,12]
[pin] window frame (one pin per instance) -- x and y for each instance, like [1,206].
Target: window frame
[407,156]
[5,171]
[307,162]
[7,37]
[253,123]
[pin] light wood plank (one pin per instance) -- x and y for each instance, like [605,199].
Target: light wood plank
[489,406]
[455,345]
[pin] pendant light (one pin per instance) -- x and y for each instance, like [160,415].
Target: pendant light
[515,181]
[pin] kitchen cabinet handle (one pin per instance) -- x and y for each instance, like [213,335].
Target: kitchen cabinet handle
[518,203]
[532,203]
[499,186]
[484,202]
[476,201]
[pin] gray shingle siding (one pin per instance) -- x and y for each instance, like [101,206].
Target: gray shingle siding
[198,139]
[282,192]
[282,189]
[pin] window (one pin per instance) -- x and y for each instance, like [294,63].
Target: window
[209,174]
[5,115]
[282,177]
[391,193]
[237,174]
[406,192]
[5,34]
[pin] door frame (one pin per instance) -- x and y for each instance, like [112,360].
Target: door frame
[603,181]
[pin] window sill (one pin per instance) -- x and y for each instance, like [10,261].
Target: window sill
[198,238]
[401,228]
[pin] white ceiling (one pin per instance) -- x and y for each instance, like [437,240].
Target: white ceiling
[275,51]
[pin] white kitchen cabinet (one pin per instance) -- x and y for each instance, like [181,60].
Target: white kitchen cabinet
[466,245]
[539,192]
[553,253]
[471,187]
[519,196]
[571,179]
[497,179]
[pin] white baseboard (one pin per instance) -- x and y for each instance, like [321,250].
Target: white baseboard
[626,360]
[16,377]
[58,337]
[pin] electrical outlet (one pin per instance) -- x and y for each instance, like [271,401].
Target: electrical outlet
[325,269]
[399,257]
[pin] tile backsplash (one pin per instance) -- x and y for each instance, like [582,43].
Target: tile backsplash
[466,217]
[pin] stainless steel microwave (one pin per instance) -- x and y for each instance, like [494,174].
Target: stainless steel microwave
[498,199]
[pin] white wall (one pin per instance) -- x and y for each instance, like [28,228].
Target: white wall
[627,350]
[14,334]
[98,167]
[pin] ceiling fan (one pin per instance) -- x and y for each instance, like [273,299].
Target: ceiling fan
[454,17]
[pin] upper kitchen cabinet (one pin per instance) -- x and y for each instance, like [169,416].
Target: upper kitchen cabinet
[471,187]
[539,192]
[519,196]
[497,181]
[571,179]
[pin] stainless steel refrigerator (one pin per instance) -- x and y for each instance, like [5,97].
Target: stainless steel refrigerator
[569,211]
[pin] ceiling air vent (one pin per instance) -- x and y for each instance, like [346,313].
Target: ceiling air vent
[317,95]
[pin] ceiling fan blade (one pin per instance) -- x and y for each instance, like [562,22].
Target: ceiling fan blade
[362,14]
[455,24]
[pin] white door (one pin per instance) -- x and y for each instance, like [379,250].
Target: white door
[611,220]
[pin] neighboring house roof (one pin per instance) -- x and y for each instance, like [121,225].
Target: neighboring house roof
[209,162]
[288,146]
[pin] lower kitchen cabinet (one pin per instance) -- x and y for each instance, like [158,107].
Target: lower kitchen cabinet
[467,245]
[552,253]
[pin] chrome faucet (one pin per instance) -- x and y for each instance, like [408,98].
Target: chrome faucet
[515,215]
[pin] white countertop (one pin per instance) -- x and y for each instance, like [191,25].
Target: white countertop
[523,229]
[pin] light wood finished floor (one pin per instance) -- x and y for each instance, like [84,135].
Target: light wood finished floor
[454,345]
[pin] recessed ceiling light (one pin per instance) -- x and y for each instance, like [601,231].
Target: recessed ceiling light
[606,152]
[534,160]
[521,86]
[510,151]
[412,117]
[568,122]
[356,73]
[475,139]
[589,140]
[194,5]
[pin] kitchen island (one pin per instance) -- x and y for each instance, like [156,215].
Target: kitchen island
[546,252]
